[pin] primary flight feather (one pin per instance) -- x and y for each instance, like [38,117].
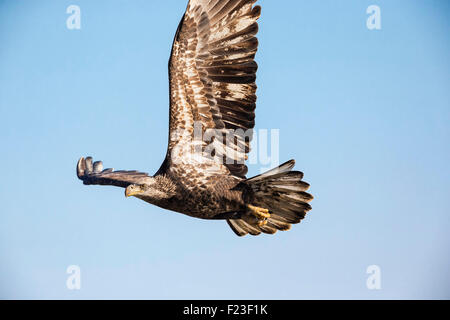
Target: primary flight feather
[212,75]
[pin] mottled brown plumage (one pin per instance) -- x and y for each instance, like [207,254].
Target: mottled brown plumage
[212,76]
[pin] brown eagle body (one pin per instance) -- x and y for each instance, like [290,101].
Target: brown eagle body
[212,76]
[207,201]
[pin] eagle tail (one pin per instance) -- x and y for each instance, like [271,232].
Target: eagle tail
[283,193]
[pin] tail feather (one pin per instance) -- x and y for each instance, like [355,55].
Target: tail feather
[286,215]
[242,228]
[285,167]
[270,229]
[283,192]
[279,225]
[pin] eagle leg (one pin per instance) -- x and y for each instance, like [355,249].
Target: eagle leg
[261,214]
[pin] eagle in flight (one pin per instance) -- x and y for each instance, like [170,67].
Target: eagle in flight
[212,75]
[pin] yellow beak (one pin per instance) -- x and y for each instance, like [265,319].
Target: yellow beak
[129,192]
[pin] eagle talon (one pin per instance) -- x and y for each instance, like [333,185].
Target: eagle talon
[262,223]
[260,213]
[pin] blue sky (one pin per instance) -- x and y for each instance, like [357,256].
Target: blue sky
[365,114]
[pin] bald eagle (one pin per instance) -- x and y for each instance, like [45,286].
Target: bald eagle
[212,75]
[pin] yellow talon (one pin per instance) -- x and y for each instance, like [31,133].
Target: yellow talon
[259,213]
[262,223]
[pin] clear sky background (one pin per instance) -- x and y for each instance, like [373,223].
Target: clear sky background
[365,113]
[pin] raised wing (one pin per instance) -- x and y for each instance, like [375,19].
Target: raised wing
[212,79]
[93,173]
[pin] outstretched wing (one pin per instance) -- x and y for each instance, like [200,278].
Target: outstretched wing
[212,80]
[93,173]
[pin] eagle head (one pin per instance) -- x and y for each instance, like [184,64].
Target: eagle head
[135,189]
[153,189]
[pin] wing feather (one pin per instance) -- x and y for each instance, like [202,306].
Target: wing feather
[93,174]
[212,79]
